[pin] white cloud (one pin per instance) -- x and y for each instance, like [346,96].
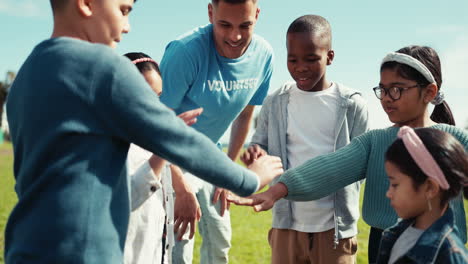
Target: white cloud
[24,8]
[452,45]
[455,61]
[455,75]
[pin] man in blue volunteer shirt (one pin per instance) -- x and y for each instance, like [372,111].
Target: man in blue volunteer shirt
[226,69]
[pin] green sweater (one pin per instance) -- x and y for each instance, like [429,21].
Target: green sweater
[363,158]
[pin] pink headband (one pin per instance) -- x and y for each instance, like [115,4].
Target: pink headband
[143,60]
[421,156]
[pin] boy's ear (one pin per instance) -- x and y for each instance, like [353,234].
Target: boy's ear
[84,7]
[256,13]
[430,92]
[330,56]
[210,12]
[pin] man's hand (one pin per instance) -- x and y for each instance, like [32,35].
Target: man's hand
[267,168]
[262,201]
[190,117]
[186,207]
[221,195]
[252,153]
[186,212]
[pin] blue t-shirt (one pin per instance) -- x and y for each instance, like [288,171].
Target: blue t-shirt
[73,109]
[195,75]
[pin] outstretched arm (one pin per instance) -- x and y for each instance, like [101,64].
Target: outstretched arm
[146,179]
[316,178]
[142,119]
[262,201]
[325,174]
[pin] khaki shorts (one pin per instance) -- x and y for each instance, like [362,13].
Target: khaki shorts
[294,247]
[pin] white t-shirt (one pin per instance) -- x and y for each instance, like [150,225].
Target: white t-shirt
[404,243]
[310,133]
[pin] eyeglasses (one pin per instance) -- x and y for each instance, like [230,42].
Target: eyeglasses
[393,92]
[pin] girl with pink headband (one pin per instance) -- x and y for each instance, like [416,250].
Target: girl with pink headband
[150,226]
[155,216]
[410,79]
[426,168]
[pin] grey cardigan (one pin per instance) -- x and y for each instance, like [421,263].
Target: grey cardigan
[271,134]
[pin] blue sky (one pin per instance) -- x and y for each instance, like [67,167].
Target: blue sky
[363,32]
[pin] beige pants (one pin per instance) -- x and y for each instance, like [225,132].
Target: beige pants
[293,247]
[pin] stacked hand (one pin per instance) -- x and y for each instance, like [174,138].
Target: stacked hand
[252,153]
[265,166]
[261,201]
[257,160]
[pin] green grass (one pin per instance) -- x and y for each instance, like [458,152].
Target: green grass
[250,229]
[7,194]
[250,237]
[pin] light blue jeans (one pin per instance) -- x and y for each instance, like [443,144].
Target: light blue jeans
[214,230]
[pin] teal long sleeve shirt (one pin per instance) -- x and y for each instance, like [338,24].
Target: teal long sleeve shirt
[363,158]
[73,110]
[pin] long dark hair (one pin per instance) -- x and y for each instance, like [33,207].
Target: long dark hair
[446,150]
[428,57]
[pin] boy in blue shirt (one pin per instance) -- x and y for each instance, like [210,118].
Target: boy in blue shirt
[73,110]
[226,69]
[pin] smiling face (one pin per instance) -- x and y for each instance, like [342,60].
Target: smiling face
[308,57]
[108,20]
[411,108]
[404,198]
[233,26]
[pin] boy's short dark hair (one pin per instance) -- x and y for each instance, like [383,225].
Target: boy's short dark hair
[313,24]
[57,4]
[215,2]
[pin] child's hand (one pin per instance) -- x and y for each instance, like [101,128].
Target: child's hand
[244,201]
[267,168]
[252,153]
[190,117]
[262,201]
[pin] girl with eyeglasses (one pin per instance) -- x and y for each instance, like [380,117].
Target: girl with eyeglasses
[410,79]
